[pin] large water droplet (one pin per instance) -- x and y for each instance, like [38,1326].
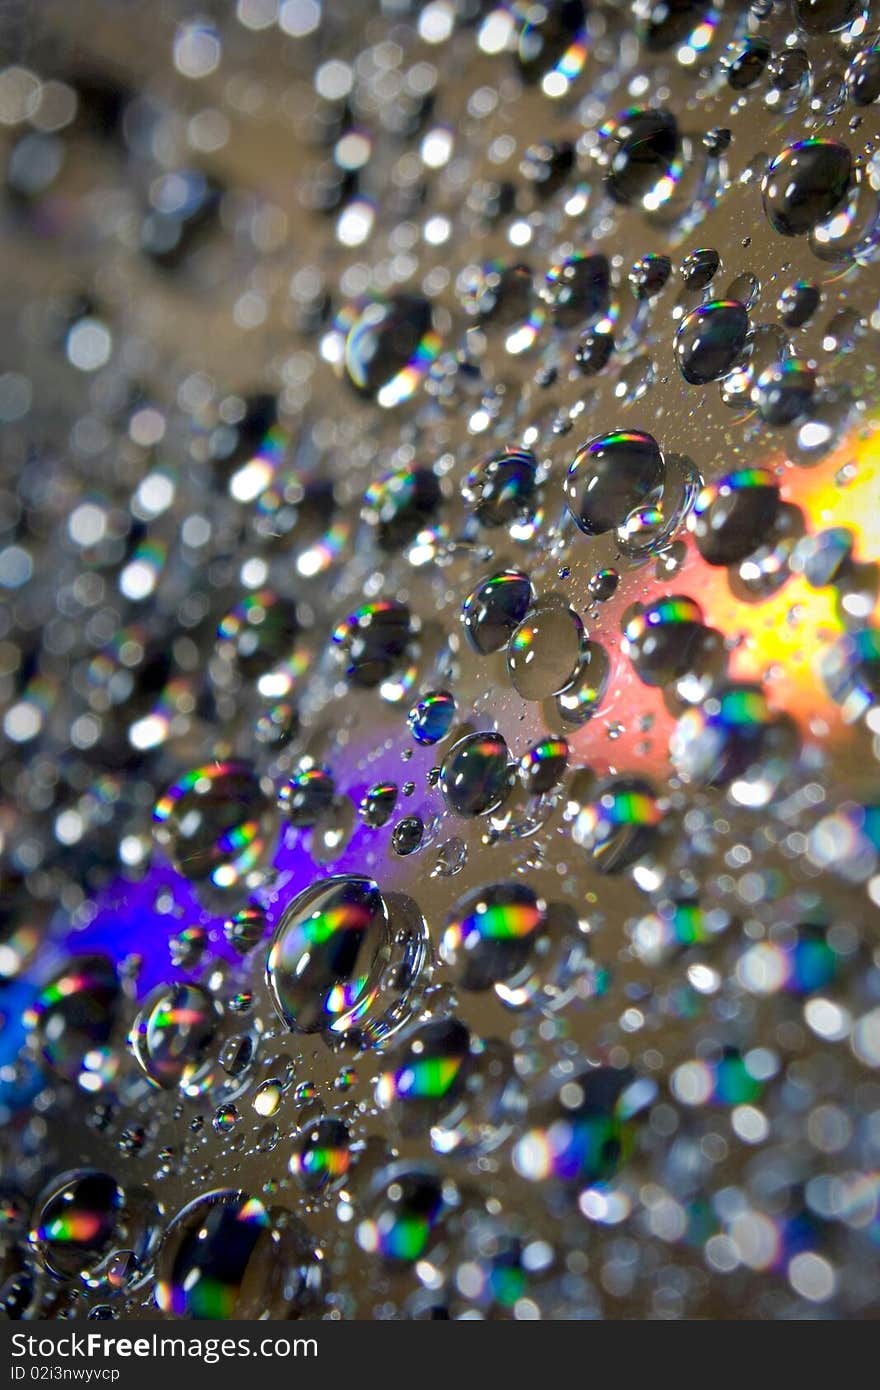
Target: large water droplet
[226,1256]
[326,954]
[804,184]
[710,339]
[610,476]
[544,653]
[215,823]
[475,776]
[172,1032]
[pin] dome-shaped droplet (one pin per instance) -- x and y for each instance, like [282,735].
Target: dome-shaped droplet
[577,290]
[734,740]
[661,640]
[798,303]
[649,274]
[459,1089]
[799,960]
[326,954]
[666,24]
[542,765]
[805,184]
[246,928]
[674,927]
[617,826]
[406,1206]
[215,823]
[850,671]
[425,1075]
[321,1155]
[700,267]
[733,516]
[76,1223]
[408,835]
[431,718]
[784,391]
[307,795]
[493,611]
[258,632]
[582,1132]
[824,16]
[402,504]
[578,702]
[172,1032]
[863,76]
[373,639]
[551,45]
[490,934]
[226,1256]
[745,61]
[475,776]
[594,349]
[389,348]
[74,1013]
[642,147]
[501,489]
[377,805]
[603,584]
[544,653]
[610,476]
[710,339]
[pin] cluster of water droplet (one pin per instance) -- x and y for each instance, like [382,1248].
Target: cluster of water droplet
[439,820]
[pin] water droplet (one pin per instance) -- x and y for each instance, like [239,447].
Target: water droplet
[373,640]
[407,1206]
[863,76]
[783,393]
[581,1133]
[699,268]
[172,1033]
[617,826]
[733,740]
[710,339]
[544,653]
[215,823]
[798,303]
[734,515]
[85,1226]
[225,1118]
[389,348]
[431,719]
[610,476]
[402,504]
[648,275]
[805,184]
[490,934]
[326,954]
[642,147]
[475,776]
[245,930]
[258,632]
[226,1256]
[501,489]
[577,290]
[578,702]
[542,765]
[307,795]
[492,612]
[408,835]
[74,1014]
[321,1155]
[824,16]
[663,640]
